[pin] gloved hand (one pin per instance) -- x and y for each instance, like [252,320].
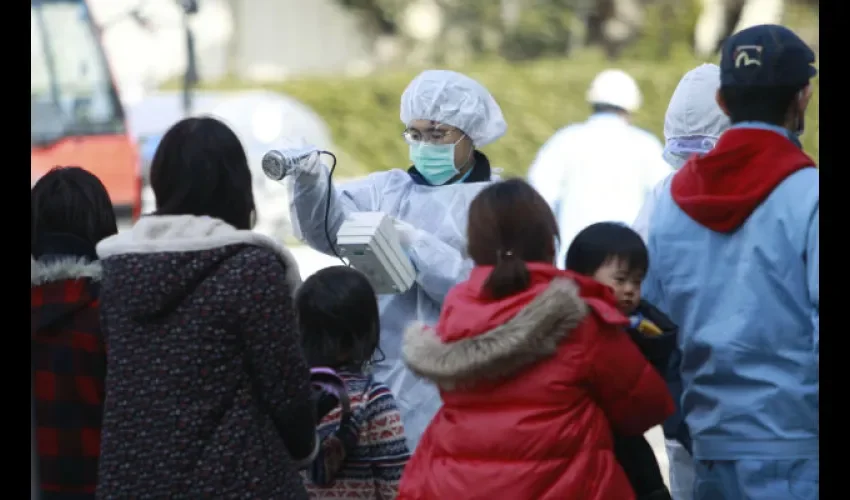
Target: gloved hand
[406,233]
[311,166]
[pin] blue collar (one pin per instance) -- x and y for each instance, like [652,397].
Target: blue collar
[463,178]
[784,132]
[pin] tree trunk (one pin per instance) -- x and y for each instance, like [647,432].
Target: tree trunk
[232,65]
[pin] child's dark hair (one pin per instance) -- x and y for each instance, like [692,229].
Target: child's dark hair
[338,321]
[598,243]
[510,224]
[74,201]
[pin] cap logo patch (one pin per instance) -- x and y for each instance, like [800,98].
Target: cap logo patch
[748,55]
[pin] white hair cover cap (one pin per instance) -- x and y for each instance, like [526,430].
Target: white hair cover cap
[615,87]
[454,99]
[693,109]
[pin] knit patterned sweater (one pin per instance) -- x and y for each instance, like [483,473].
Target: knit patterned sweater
[373,470]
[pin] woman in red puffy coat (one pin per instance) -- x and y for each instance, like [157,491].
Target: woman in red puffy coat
[534,369]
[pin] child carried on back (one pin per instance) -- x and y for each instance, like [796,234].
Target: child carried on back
[615,255]
[363,450]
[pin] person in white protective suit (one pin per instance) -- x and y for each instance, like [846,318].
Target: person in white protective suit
[600,170]
[692,125]
[447,117]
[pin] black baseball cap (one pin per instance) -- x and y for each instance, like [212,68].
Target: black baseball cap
[767,55]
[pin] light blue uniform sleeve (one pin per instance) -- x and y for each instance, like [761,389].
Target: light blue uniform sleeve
[650,289]
[309,198]
[652,292]
[439,266]
[813,275]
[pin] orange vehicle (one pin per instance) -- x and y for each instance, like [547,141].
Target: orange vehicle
[76,114]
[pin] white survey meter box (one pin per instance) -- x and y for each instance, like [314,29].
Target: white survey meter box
[370,243]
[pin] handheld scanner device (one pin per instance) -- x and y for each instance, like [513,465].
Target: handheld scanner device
[371,244]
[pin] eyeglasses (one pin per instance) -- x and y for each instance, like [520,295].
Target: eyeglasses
[435,135]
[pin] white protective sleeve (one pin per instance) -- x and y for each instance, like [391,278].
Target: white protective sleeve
[436,252]
[439,265]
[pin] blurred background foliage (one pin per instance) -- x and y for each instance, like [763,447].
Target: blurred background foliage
[538,67]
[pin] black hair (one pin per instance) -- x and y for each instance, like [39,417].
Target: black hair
[763,104]
[338,320]
[200,168]
[599,243]
[510,224]
[71,200]
[607,108]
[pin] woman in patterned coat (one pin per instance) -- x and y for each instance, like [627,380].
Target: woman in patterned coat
[208,394]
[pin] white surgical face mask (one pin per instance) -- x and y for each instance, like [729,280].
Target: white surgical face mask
[436,162]
[678,150]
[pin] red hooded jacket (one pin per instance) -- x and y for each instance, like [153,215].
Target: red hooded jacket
[721,189]
[531,386]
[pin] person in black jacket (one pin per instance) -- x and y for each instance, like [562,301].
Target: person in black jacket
[615,255]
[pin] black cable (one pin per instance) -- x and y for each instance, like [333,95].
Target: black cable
[328,207]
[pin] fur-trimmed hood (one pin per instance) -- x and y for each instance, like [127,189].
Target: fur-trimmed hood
[534,333]
[163,258]
[60,287]
[63,268]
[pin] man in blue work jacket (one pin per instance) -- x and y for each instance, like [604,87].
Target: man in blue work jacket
[734,248]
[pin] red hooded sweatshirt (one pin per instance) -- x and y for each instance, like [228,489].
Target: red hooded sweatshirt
[722,188]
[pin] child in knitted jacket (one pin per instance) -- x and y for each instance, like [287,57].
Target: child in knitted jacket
[363,451]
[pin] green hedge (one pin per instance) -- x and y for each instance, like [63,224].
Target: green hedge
[537,98]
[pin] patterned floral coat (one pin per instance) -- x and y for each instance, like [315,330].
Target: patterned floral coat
[207,393]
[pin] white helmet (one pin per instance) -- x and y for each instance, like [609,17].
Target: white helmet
[615,88]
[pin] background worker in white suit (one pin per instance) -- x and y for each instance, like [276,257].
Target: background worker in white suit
[602,169]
